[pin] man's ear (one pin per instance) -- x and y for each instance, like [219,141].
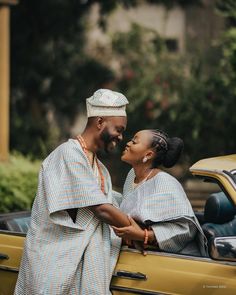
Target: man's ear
[100,122]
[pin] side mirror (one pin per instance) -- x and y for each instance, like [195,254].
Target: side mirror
[223,248]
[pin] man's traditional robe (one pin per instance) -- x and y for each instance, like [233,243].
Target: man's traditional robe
[61,256]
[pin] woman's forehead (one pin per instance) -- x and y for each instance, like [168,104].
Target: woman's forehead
[143,135]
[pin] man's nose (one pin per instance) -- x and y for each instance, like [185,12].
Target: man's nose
[120,137]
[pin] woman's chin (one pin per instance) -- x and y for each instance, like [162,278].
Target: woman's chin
[125,159]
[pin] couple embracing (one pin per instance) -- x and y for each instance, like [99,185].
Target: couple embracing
[78,225]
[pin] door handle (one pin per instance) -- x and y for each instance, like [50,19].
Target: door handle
[3,256]
[130,275]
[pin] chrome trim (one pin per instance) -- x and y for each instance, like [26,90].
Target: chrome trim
[11,269]
[125,274]
[136,291]
[4,256]
[216,172]
[224,248]
[12,233]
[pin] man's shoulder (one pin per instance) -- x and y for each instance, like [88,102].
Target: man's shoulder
[65,151]
[68,146]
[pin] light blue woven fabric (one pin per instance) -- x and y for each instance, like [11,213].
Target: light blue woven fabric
[162,202]
[61,257]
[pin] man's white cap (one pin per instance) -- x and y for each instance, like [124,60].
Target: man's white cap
[105,102]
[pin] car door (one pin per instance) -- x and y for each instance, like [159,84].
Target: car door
[11,246]
[163,273]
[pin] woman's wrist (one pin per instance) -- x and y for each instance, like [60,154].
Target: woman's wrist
[151,236]
[140,236]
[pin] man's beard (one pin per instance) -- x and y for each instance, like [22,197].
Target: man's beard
[107,140]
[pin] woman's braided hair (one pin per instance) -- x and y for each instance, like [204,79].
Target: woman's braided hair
[168,150]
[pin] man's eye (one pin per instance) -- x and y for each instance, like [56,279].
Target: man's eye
[132,140]
[119,130]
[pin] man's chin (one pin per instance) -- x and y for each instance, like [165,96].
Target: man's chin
[110,147]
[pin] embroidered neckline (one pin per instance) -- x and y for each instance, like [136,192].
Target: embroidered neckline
[134,185]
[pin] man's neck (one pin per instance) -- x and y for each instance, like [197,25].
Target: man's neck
[90,141]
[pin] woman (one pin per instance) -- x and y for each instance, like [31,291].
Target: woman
[156,200]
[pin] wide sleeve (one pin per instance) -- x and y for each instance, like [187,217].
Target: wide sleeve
[117,198]
[69,183]
[172,236]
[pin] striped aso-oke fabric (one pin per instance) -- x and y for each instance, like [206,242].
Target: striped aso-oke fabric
[62,257]
[162,202]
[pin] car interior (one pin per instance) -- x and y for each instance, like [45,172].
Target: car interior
[219,217]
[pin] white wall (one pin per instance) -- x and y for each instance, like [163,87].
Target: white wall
[168,23]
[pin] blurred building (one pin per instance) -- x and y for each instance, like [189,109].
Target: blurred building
[181,28]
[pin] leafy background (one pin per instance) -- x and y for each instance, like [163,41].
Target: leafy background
[191,95]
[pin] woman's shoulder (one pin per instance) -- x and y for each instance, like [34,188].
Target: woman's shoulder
[162,175]
[165,179]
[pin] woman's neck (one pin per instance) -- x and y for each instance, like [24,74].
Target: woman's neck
[141,172]
[144,171]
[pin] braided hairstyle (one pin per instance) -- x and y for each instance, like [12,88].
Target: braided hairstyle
[168,150]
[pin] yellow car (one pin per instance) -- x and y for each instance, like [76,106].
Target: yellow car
[159,272]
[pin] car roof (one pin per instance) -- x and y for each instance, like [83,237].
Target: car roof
[221,163]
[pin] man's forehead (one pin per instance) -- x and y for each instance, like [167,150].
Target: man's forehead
[121,121]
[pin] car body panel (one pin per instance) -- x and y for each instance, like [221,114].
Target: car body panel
[216,163]
[166,273]
[175,274]
[11,244]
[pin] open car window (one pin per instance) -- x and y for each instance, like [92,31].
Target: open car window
[213,208]
[15,222]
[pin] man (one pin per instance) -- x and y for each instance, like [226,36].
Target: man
[69,247]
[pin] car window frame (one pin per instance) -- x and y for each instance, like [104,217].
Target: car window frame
[179,256]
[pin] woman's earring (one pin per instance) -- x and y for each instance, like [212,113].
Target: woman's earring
[145,159]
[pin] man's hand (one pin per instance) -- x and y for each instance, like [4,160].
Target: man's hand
[131,232]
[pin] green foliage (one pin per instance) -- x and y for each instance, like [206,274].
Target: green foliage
[51,71]
[18,183]
[193,98]
[188,96]
[228,61]
[171,3]
[227,8]
[151,77]
[148,71]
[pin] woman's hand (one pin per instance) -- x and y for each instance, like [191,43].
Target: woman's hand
[131,232]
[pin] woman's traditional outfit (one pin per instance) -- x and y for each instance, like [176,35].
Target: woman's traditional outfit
[161,203]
